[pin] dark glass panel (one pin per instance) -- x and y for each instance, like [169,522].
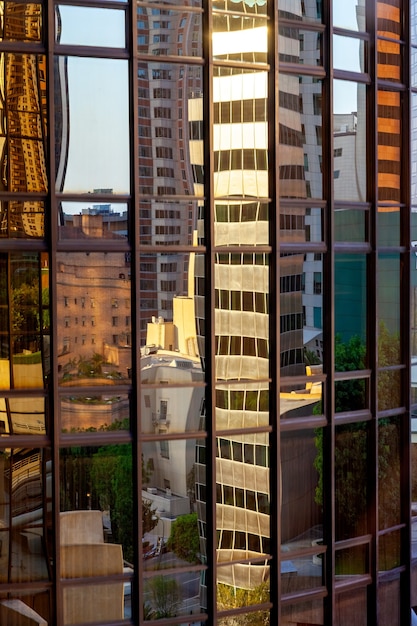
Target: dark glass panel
[88,26]
[25,502]
[301,224]
[351,607]
[34,605]
[95,413]
[300,46]
[109,221]
[22,416]
[351,225]
[351,471]
[20,220]
[352,561]
[389,291]
[94,156]
[94,313]
[389,472]
[23,123]
[21,21]
[349,119]
[389,599]
[351,395]
[350,311]
[307,612]
[301,512]
[390,146]
[389,553]
[348,54]
[300,136]
[389,388]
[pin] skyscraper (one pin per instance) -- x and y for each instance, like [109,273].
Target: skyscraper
[207,405]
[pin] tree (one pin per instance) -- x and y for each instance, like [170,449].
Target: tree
[184,539]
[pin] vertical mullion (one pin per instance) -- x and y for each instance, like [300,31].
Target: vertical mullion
[209,264]
[274,327]
[51,214]
[329,323]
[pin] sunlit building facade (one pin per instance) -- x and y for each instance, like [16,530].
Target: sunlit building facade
[208,287]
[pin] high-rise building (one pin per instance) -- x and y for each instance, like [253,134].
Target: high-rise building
[208,281]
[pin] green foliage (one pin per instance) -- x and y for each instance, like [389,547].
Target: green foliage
[165,596]
[232,598]
[184,539]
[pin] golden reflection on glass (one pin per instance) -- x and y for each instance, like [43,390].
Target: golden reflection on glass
[22,219]
[389,148]
[106,412]
[26,489]
[244,584]
[21,21]
[22,416]
[23,122]
[95,324]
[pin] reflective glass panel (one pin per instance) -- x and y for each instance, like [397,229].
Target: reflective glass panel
[170,117]
[22,416]
[87,26]
[352,603]
[413,138]
[389,386]
[300,136]
[349,14]
[171,409]
[79,601]
[169,595]
[172,315]
[389,468]
[348,54]
[252,580]
[351,470]
[241,222]
[22,220]
[349,119]
[389,290]
[389,550]
[305,11]
[168,32]
[79,220]
[94,313]
[350,395]
[302,492]
[94,156]
[352,561]
[413,53]
[105,412]
[168,222]
[310,611]
[389,148]
[239,37]
[21,21]
[23,123]
[389,592]
[25,503]
[301,224]
[351,225]
[34,605]
[350,311]
[299,46]
[413,20]
[389,55]
[302,399]
[241,317]
[242,405]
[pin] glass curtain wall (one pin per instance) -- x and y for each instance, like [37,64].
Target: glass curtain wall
[204,306]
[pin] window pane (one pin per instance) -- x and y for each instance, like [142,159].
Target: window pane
[166,32]
[23,220]
[26,486]
[95,413]
[22,416]
[228,43]
[348,54]
[23,22]
[350,310]
[301,224]
[93,157]
[349,15]
[349,116]
[171,409]
[87,26]
[300,46]
[389,289]
[390,146]
[168,223]
[94,313]
[351,225]
[389,462]
[79,220]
